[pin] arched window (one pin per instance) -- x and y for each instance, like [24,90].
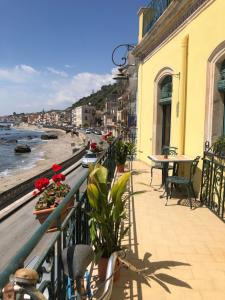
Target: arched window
[166,90]
[165,98]
[218,115]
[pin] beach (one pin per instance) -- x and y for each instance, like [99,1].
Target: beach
[52,151]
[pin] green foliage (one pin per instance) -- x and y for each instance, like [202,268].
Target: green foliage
[121,152]
[106,217]
[98,99]
[131,148]
[219,146]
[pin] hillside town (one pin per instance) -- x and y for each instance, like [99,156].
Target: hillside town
[116,112]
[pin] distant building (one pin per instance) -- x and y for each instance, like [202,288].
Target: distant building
[83,116]
[110,113]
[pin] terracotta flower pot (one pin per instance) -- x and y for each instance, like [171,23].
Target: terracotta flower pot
[43,214]
[102,268]
[120,168]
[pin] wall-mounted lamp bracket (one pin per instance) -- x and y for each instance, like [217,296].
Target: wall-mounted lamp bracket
[177,75]
[123,59]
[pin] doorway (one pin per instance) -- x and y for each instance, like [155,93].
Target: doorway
[165,104]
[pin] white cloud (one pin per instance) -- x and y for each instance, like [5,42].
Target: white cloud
[57,72]
[17,74]
[27,69]
[69,66]
[79,86]
[24,89]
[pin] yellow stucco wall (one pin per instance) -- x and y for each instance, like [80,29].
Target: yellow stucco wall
[205,33]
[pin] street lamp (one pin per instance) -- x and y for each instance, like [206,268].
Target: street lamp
[122,62]
[123,59]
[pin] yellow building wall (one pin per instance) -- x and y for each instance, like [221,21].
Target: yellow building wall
[205,33]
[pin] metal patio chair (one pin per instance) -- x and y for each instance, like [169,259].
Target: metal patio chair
[185,181]
[166,150]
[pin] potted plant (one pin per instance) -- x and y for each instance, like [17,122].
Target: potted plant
[106,215]
[95,148]
[121,152]
[52,194]
[131,149]
[218,146]
[109,138]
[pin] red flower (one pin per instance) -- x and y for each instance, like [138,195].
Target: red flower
[41,183]
[104,137]
[56,168]
[93,146]
[58,177]
[109,134]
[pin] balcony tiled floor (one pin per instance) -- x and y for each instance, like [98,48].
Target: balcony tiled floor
[182,249]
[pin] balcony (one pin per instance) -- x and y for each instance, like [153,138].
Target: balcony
[175,246]
[157,8]
[179,252]
[161,19]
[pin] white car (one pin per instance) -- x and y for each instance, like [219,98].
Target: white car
[89,158]
[88,131]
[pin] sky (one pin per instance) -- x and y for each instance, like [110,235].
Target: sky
[54,52]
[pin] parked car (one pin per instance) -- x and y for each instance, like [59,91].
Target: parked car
[89,158]
[98,132]
[87,131]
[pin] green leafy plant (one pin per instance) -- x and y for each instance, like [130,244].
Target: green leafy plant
[107,211]
[131,148]
[121,152]
[218,146]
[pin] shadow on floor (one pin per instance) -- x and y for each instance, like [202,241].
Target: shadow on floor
[130,283]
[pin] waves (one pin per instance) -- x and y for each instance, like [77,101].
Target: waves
[9,160]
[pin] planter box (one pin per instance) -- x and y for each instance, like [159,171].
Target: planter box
[43,214]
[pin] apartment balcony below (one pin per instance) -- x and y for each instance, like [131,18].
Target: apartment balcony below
[181,251]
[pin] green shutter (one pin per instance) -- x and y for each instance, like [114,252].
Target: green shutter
[221,82]
[166,91]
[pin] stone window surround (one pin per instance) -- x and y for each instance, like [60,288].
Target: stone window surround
[157,114]
[216,57]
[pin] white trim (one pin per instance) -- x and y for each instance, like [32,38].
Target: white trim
[159,77]
[214,58]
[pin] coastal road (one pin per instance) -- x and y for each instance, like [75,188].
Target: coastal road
[17,229]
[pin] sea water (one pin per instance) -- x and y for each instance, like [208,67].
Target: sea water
[9,160]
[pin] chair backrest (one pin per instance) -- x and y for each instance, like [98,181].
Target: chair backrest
[168,150]
[193,168]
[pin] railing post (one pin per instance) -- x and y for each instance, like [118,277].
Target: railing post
[58,255]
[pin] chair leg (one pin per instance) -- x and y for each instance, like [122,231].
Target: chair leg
[193,191]
[171,190]
[151,176]
[189,195]
[167,193]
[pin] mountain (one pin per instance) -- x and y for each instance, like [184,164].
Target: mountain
[98,98]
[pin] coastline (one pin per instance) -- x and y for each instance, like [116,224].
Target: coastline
[54,151]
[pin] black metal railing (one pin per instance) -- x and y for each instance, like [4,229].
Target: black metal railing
[213,181]
[72,230]
[157,8]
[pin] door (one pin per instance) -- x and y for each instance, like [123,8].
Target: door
[166,124]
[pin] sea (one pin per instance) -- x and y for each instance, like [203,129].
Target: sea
[9,139]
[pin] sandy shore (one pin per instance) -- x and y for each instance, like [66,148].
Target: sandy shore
[54,151]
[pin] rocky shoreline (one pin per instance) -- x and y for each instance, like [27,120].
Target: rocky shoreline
[54,151]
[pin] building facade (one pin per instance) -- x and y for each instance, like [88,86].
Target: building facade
[110,114]
[181,75]
[83,116]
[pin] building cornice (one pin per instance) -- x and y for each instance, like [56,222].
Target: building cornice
[174,17]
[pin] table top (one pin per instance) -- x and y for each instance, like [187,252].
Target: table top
[170,158]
